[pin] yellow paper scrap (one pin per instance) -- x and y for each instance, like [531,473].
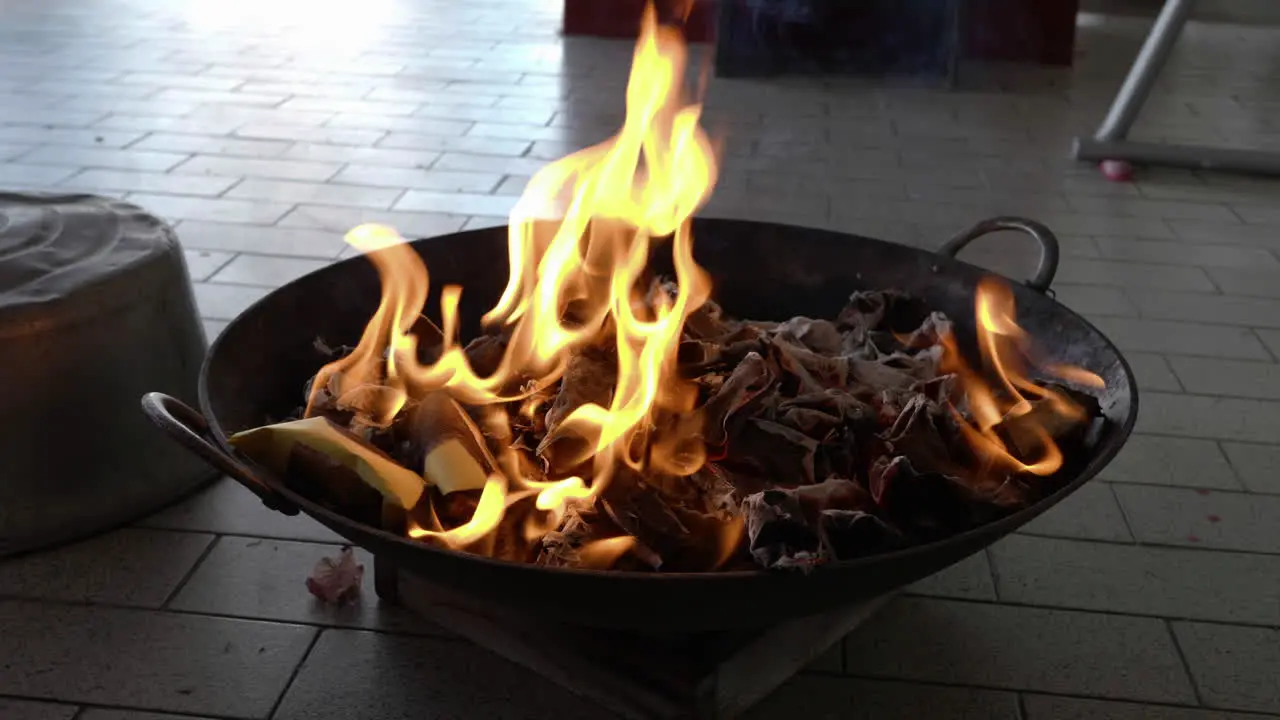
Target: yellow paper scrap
[270,445]
[451,467]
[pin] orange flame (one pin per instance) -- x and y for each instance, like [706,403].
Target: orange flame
[1002,343]
[574,281]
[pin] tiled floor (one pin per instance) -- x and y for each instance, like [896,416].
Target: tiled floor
[266,128]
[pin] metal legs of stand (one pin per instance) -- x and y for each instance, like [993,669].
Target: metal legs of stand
[1111,143]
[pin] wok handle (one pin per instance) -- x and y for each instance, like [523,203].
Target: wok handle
[1048,245]
[191,430]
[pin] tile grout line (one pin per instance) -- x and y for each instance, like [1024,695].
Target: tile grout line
[293,676]
[186,577]
[1186,665]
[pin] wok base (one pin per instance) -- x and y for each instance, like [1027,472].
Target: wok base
[639,676]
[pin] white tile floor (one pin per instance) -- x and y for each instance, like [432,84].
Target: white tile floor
[266,128]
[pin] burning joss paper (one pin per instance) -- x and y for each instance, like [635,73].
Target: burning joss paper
[611,417]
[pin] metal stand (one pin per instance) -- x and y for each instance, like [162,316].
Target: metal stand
[1111,143]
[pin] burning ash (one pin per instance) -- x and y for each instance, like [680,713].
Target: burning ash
[608,418]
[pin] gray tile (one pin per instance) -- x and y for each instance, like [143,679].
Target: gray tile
[1046,707]
[105,714]
[177,207]
[27,176]
[1253,282]
[214,328]
[1109,225]
[464,204]
[136,160]
[1202,231]
[206,145]
[1181,338]
[1134,275]
[366,107]
[446,180]
[203,263]
[227,508]
[234,238]
[266,580]
[32,710]
[1090,513]
[475,145]
[266,270]
[1131,579]
[1091,300]
[147,182]
[1206,376]
[316,152]
[225,302]
[124,567]
[289,191]
[1223,520]
[205,97]
[353,675]
[969,579]
[490,164]
[338,220]
[258,168]
[401,123]
[475,222]
[1234,667]
[1210,417]
[333,136]
[1158,460]
[148,659]
[1181,253]
[1136,207]
[1152,372]
[1020,648]
[820,698]
[1271,338]
[1258,214]
[1217,309]
[1257,466]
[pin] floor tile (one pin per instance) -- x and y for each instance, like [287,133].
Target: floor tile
[969,579]
[1171,461]
[820,698]
[1219,418]
[1206,376]
[105,714]
[265,579]
[148,659]
[265,270]
[227,508]
[1225,520]
[312,241]
[33,710]
[341,219]
[1019,648]
[1090,513]
[1179,338]
[179,207]
[1233,667]
[202,264]
[1181,253]
[1166,582]
[354,675]
[1046,707]
[1153,372]
[124,567]
[1257,282]
[1258,466]
[291,191]
[225,302]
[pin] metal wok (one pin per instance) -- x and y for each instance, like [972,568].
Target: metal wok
[255,373]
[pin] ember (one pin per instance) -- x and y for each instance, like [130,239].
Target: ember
[610,419]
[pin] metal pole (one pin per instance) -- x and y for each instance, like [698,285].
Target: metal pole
[1146,70]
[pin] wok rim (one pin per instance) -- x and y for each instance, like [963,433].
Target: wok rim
[983,535]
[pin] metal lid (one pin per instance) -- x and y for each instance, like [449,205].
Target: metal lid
[53,246]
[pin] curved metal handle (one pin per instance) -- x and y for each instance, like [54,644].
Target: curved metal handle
[191,430]
[1048,245]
